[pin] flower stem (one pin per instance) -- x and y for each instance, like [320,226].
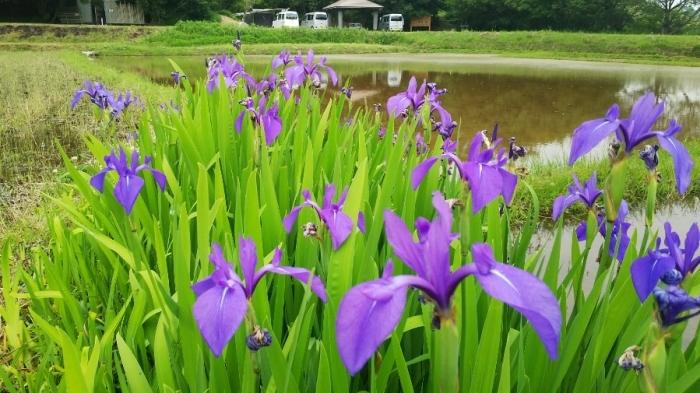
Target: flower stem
[446,358]
[651,198]
[654,359]
[614,189]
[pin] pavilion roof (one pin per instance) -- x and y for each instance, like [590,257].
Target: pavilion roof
[353,4]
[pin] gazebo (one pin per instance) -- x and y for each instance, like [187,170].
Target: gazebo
[341,5]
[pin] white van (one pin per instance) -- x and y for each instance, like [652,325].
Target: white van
[391,22]
[286,19]
[315,20]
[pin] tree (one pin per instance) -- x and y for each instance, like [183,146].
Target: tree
[412,8]
[32,10]
[577,15]
[670,16]
[170,11]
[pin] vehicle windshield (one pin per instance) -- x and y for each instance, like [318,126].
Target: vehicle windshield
[396,18]
[321,16]
[292,15]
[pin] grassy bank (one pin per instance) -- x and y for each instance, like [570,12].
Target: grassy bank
[550,179]
[206,37]
[34,116]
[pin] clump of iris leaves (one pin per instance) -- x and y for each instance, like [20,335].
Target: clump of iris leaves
[274,236]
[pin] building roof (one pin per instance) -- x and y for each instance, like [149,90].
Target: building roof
[259,11]
[353,4]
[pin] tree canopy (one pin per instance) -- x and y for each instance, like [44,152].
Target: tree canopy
[653,16]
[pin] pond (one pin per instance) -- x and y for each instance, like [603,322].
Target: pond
[538,101]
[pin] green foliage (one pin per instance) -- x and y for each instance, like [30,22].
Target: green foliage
[109,299]
[568,15]
[171,11]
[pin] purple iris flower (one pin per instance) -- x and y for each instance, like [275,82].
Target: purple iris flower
[347,91]
[231,70]
[129,184]
[671,264]
[267,118]
[483,169]
[649,154]
[434,91]
[297,74]
[445,126]
[673,301]
[266,85]
[515,152]
[222,298]
[272,82]
[104,98]
[421,146]
[99,95]
[413,98]
[619,231]
[587,194]
[370,311]
[631,132]
[123,101]
[281,60]
[361,222]
[177,77]
[338,223]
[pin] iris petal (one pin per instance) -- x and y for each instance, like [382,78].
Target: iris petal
[218,312]
[646,272]
[682,162]
[522,291]
[588,135]
[127,190]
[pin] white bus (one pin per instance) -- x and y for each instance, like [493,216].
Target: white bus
[315,20]
[286,19]
[391,22]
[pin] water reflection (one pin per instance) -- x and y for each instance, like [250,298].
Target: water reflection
[681,217]
[538,101]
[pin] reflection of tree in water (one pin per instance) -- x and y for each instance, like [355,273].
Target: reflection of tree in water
[533,109]
[682,98]
[541,108]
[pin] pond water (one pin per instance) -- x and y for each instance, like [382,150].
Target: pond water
[538,101]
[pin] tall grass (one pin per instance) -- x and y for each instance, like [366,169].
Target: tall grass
[107,306]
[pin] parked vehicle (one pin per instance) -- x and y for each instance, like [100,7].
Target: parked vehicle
[354,25]
[286,19]
[391,22]
[315,20]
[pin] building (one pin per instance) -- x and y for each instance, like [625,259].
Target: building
[110,12]
[259,16]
